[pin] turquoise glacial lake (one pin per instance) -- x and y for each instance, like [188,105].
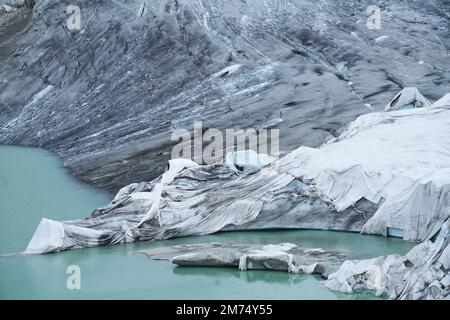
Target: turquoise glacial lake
[34,184]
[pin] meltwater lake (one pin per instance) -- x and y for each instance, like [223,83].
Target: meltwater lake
[34,184]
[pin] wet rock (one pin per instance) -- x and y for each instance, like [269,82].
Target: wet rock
[281,257]
[367,180]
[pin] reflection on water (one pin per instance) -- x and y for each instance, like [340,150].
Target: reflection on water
[33,185]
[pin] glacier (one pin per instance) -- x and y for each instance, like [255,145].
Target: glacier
[386,170]
[281,257]
[138,70]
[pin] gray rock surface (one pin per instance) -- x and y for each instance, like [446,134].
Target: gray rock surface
[281,257]
[107,97]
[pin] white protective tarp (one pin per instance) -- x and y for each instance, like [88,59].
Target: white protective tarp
[399,161]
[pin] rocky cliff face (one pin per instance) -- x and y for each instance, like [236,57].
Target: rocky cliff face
[107,97]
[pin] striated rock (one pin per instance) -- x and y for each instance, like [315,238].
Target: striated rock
[282,257]
[422,274]
[388,170]
[107,97]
